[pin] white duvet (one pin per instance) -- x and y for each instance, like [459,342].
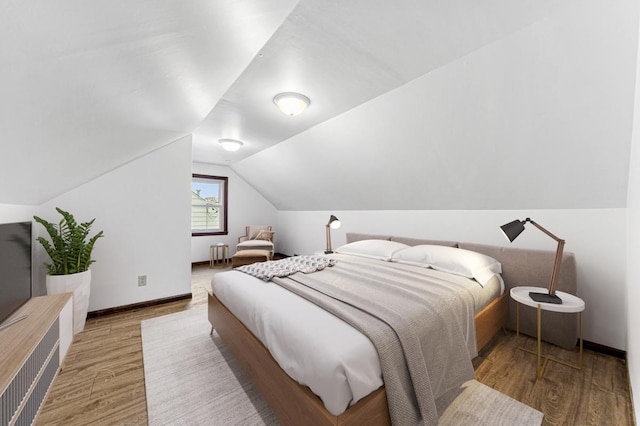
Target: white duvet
[338,363]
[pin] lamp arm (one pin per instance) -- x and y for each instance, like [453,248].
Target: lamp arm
[328,239]
[556,268]
[544,230]
[558,261]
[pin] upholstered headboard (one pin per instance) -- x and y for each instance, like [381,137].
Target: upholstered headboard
[520,267]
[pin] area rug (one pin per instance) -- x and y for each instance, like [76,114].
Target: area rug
[191,378]
[479,404]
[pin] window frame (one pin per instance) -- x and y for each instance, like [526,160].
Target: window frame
[225,203]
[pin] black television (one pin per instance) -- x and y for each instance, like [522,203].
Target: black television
[15,267]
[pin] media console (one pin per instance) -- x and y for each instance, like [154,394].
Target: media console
[31,352]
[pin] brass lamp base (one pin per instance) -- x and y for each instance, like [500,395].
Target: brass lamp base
[545,297]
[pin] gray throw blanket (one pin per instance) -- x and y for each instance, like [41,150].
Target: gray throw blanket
[285,267]
[421,323]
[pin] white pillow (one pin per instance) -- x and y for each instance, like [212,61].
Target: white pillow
[453,260]
[373,249]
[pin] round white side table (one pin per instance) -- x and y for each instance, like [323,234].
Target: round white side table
[218,253]
[570,304]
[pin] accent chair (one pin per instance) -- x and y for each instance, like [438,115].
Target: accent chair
[257,237]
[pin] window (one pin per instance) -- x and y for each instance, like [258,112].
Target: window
[208,205]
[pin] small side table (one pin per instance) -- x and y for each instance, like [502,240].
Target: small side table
[570,304]
[218,253]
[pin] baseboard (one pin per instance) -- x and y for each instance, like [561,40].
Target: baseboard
[596,347]
[606,350]
[208,262]
[276,256]
[125,308]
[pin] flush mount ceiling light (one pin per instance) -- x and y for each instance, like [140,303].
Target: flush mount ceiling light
[291,103]
[230,144]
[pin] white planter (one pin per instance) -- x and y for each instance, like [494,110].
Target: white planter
[80,285]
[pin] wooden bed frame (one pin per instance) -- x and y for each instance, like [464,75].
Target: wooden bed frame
[295,404]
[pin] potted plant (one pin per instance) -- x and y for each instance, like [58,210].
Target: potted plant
[70,252]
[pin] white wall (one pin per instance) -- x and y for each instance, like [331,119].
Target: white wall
[597,237]
[246,207]
[633,273]
[10,213]
[633,254]
[143,208]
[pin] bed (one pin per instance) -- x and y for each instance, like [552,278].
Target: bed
[294,403]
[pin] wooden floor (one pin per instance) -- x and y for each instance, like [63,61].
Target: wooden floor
[102,379]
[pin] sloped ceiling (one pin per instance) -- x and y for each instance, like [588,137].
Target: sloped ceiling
[498,104]
[86,86]
[536,118]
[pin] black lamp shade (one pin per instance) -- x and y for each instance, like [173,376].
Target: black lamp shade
[512,229]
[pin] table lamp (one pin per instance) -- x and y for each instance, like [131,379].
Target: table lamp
[334,223]
[511,230]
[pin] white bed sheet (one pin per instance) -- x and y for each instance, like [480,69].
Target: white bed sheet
[337,362]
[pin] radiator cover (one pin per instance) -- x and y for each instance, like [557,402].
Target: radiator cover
[21,401]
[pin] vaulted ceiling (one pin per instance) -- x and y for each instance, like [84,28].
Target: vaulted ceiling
[497,104]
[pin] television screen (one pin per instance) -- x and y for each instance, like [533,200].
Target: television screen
[15,267]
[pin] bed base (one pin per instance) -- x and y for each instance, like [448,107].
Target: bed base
[295,404]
